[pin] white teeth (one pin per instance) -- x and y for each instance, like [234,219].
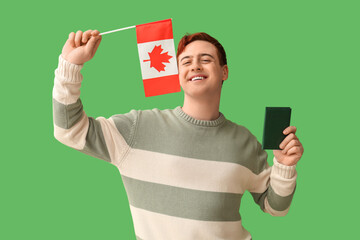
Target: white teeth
[197,78]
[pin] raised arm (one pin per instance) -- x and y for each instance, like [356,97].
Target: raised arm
[98,137]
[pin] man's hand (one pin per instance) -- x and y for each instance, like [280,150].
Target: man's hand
[78,49]
[292,149]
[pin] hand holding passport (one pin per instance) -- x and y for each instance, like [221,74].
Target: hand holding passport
[277,119]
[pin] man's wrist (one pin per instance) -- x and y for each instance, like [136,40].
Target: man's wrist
[69,72]
[283,170]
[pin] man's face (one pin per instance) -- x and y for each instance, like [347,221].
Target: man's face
[199,70]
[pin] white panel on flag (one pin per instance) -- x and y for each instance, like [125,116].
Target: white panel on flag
[151,72]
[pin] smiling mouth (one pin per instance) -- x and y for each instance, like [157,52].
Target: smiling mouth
[197,78]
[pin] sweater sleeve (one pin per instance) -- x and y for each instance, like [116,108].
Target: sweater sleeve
[273,187]
[98,137]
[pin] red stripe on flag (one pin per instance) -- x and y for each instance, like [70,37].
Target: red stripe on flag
[154,31]
[161,85]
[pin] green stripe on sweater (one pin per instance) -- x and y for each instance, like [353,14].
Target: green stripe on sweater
[276,202]
[66,116]
[165,132]
[95,143]
[182,202]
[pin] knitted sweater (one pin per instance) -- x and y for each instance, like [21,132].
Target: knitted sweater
[184,177]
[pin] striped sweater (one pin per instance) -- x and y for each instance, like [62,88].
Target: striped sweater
[184,177]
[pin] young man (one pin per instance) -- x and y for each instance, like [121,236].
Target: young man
[184,169]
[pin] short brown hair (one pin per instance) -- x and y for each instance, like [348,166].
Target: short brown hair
[188,38]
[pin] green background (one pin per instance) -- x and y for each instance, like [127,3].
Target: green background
[300,54]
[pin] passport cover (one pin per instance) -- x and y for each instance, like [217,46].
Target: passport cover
[276,120]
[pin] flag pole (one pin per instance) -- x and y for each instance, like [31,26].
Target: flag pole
[117,30]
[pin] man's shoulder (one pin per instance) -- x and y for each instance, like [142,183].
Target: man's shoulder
[153,111]
[238,126]
[240,131]
[156,110]
[153,114]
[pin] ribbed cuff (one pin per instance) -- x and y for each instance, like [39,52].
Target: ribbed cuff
[68,71]
[283,170]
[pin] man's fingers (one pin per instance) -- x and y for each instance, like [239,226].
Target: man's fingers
[290,129]
[86,36]
[97,38]
[287,140]
[97,45]
[292,143]
[71,39]
[78,37]
[93,43]
[294,150]
[290,132]
[95,33]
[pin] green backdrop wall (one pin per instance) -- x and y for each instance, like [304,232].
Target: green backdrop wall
[301,54]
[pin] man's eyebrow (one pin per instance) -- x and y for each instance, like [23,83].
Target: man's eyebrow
[184,58]
[206,54]
[201,55]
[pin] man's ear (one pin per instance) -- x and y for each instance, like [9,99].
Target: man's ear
[225,72]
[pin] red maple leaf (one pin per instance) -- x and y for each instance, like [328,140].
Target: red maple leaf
[157,58]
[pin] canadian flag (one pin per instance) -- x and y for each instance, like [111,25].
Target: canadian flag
[157,58]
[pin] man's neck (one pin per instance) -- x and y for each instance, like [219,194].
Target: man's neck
[202,109]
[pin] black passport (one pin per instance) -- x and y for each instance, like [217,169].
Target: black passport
[276,120]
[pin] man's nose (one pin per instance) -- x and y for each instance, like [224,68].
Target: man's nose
[196,66]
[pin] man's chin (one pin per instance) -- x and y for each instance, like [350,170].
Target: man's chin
[197,93]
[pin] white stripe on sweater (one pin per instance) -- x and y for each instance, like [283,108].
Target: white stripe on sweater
[151,225]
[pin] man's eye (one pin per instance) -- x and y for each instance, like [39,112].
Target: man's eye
[186,63]
[206,60]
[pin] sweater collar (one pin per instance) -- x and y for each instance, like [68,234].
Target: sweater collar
[206,123]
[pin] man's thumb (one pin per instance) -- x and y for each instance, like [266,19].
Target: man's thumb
[92,42]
